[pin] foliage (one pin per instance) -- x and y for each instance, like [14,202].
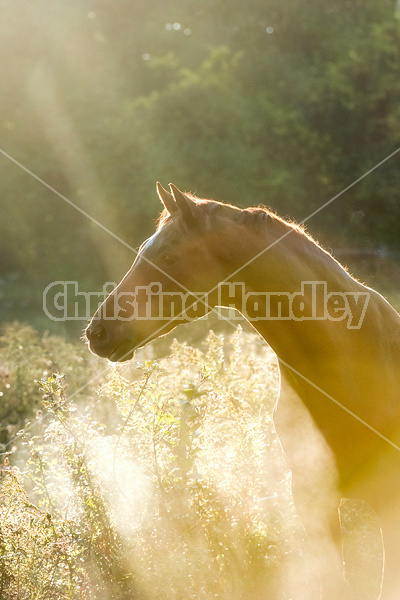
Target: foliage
[27,356]
[175,501]
[164,480]
[271,102]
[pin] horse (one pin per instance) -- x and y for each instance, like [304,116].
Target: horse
[337,343]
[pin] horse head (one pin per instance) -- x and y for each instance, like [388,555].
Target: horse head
[166,283]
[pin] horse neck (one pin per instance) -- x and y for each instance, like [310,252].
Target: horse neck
[356,368]
[322,350]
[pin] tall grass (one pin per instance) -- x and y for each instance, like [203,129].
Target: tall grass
[165,494]
[162,480]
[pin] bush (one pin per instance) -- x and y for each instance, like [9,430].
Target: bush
[165,481]
[27,356]
[169,502]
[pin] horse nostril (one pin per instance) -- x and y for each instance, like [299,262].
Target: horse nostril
[97,333]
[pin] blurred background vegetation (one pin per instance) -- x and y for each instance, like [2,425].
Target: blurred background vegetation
[167,478]
[270,101]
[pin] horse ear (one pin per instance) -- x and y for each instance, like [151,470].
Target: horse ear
[185,204]
[167,199]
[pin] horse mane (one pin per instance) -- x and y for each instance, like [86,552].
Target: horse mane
[256,217]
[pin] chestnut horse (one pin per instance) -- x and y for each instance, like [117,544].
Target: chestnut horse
[341,363]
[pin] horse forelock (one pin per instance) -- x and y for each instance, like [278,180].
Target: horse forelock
[162,219]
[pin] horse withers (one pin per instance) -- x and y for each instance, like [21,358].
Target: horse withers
[337,344]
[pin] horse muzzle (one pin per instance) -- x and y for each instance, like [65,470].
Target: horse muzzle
[102,343]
